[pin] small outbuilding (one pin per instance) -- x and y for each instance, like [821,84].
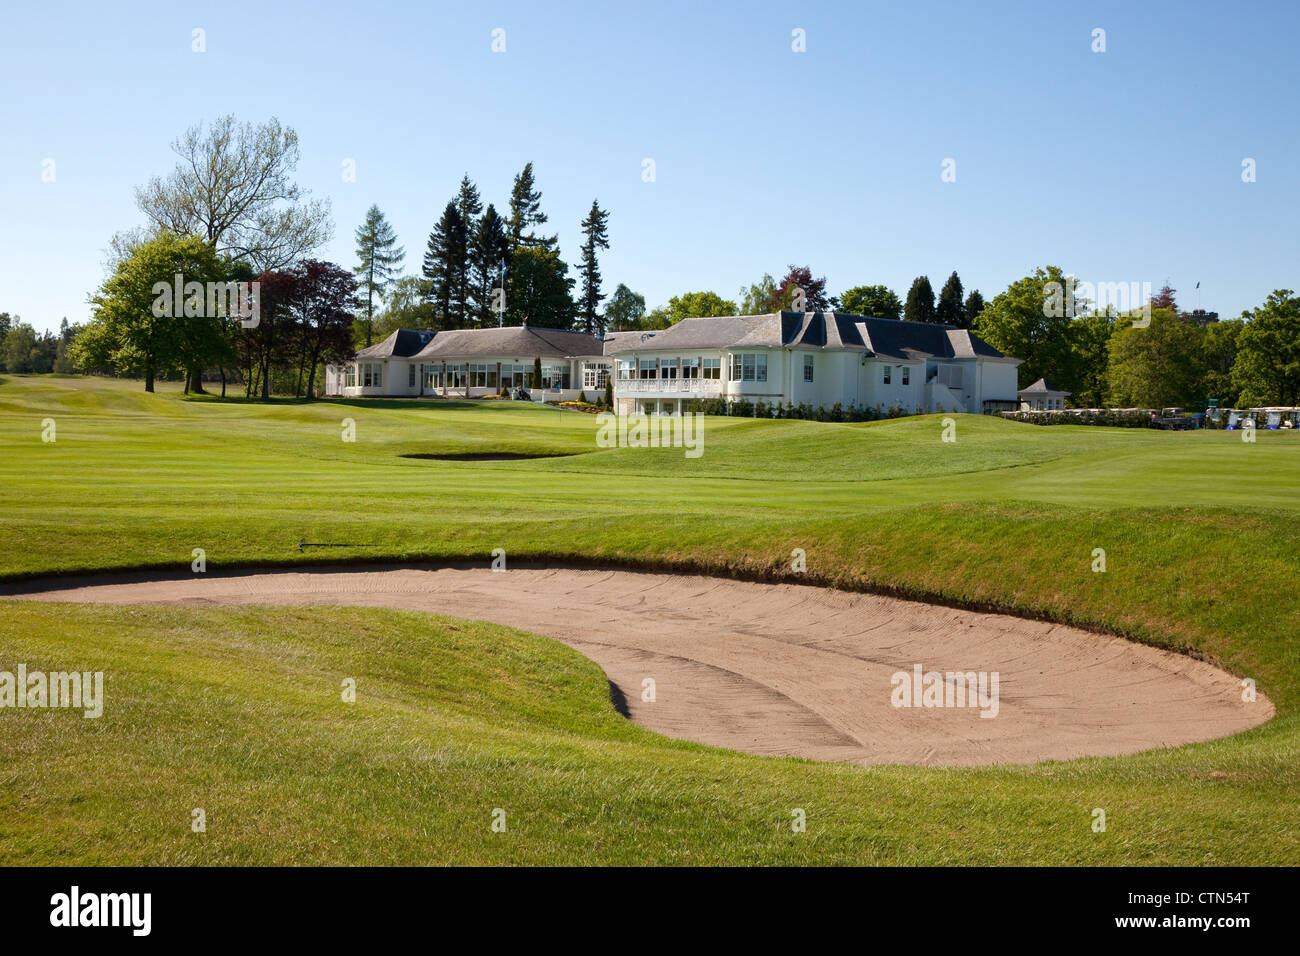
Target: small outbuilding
[1042,396]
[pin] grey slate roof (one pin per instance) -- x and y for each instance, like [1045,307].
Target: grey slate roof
[516,340]
[401,344]
[889,338]
[1043,385]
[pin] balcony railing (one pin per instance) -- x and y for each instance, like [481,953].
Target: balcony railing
[692,386]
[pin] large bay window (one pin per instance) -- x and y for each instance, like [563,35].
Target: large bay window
[749,367]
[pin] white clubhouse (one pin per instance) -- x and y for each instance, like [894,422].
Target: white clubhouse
[818,359]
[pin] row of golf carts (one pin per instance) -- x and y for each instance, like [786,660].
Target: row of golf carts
[1269,418]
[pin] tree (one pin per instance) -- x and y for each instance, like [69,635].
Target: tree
[22,349]
[233,188]
[408,307]
[525,213]
[949,311]
[1156,365]
[443,257]
[489,248]
[537,372]
[609,392]
[800,278]
[138,329]
[696,305]
[380,260]
[1267,370]
[1219,345]
[757,299]
[920,301]
[626,309]
[1164,299]
[1023,323]
[538,289]
[594,228]
[469,205]
[325,297]
[876,301]
[1090,336]
[973,307]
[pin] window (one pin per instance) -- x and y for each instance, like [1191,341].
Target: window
[648,368]
[352,376]
[808,368]
[747,367]
[907,375]
[372,376]
[888,370]
[624,368]
[410,377]
[690,368]
[668,368]
[733,367]
[712,367]
[950,375]
[595,376]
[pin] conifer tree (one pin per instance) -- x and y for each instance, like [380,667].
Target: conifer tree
[381,259]
[525,213]
[442,259]
[594,228]
[949,309]
[920,301]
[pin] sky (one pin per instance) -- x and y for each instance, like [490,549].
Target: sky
[1118,166]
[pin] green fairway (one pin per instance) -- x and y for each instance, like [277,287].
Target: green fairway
[238,710]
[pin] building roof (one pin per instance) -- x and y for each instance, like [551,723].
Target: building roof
[401,344]
[889,338]
[518,340]
[1042,387]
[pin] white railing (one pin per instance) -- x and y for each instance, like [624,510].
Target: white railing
[693,386]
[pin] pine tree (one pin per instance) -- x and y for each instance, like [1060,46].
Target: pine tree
[525,212]
[920,301]
[949,309]
[381,259]
[489,248]
[973,307]
[442,259]
[469,205]
[594,228]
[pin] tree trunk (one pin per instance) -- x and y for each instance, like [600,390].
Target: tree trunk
[223,381]
[148,379]
[196,376]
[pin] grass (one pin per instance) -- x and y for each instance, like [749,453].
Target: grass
[241,705]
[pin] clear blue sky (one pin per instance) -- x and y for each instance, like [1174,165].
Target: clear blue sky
[1119,166]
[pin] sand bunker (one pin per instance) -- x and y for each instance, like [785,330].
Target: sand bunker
[779,669]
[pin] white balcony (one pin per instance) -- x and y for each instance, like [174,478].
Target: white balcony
[688,387]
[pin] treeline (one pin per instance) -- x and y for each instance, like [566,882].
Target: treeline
[483,268]
[798,290]
[1151,355]
[23,349]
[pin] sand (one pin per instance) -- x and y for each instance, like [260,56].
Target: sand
[782,669]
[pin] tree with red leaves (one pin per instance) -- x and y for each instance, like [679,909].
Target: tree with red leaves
[786,293]
[1164,299]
